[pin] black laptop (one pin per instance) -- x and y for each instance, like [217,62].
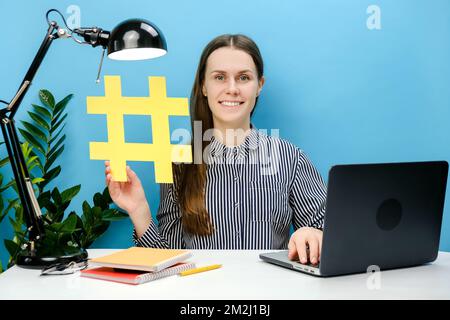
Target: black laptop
[386,215]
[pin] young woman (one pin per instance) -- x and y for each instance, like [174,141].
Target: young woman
[248,190]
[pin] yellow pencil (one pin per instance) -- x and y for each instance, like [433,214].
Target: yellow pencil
[197,270]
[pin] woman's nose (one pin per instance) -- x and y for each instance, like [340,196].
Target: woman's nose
[232,87]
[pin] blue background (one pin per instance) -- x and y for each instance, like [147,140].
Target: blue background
[341,92]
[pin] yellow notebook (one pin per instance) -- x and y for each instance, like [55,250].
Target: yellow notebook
[145,259]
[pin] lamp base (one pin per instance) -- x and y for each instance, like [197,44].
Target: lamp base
[40,259]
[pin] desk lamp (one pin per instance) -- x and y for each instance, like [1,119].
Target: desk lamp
[132,39]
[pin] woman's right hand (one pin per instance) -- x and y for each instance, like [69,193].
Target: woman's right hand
[129,195]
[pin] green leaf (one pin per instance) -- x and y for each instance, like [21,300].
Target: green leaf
[86,207]
[61,140]
[52,239]
[57,114]
[43,112]
[17,225]
[4,162]
[14,186]
[87,240]
[12,204]
[97,212]
[99,201]
[69,224]
[19,215]
[68,194]
[64,206]
[52,158]
[113,215]
[79,221]
[49,176]
[44,196]
[34,130]
[37,180]
[56,196]
[54,137]
[106,195]
[80,231]
[99,229]
[60,106]
[31,161]
[33,141]
[87,217]
[39,120]
[55,215]
[9,184]
[37,160]
[56,125]
[47,98]
[2,213]
[51,235]
[12,247]
[26,149]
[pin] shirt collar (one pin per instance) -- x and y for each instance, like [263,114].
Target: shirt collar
[218,150]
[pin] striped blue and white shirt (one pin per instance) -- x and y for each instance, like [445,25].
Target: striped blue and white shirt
[254,193]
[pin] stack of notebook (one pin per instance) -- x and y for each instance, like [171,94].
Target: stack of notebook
[137,265]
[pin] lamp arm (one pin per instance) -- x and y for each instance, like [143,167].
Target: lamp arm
[24,86]
[32,211]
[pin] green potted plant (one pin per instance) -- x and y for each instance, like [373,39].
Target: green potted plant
[42,145]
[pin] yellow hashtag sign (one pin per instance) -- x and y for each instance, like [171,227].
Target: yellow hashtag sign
[159,107]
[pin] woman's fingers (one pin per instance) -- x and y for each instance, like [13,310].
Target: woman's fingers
[292,250]
[305,245]
[132,176]
[320,248]
[130,173]
[300,244]
[313,249]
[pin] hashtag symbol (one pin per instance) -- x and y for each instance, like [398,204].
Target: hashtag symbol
[159,107]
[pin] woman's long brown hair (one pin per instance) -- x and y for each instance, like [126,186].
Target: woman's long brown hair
[190,179]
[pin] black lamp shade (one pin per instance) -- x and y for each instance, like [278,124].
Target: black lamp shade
[136,39]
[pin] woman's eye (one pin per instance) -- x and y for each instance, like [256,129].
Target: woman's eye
[244,77]
[220,77]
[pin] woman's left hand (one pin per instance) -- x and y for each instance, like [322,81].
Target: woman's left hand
[302,239]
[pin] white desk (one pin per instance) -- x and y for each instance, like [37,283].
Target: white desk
[242,276]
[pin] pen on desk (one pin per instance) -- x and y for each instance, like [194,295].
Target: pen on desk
[202,269]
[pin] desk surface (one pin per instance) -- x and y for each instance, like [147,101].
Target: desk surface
[242,276]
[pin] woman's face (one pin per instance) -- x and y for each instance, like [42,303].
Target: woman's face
[231,86]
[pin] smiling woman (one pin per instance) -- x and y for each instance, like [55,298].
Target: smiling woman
[231,86]
[251,187]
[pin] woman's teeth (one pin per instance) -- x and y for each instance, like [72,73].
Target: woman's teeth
[230,104]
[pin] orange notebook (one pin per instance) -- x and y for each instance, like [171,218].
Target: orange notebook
[134,276]
[144,259]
